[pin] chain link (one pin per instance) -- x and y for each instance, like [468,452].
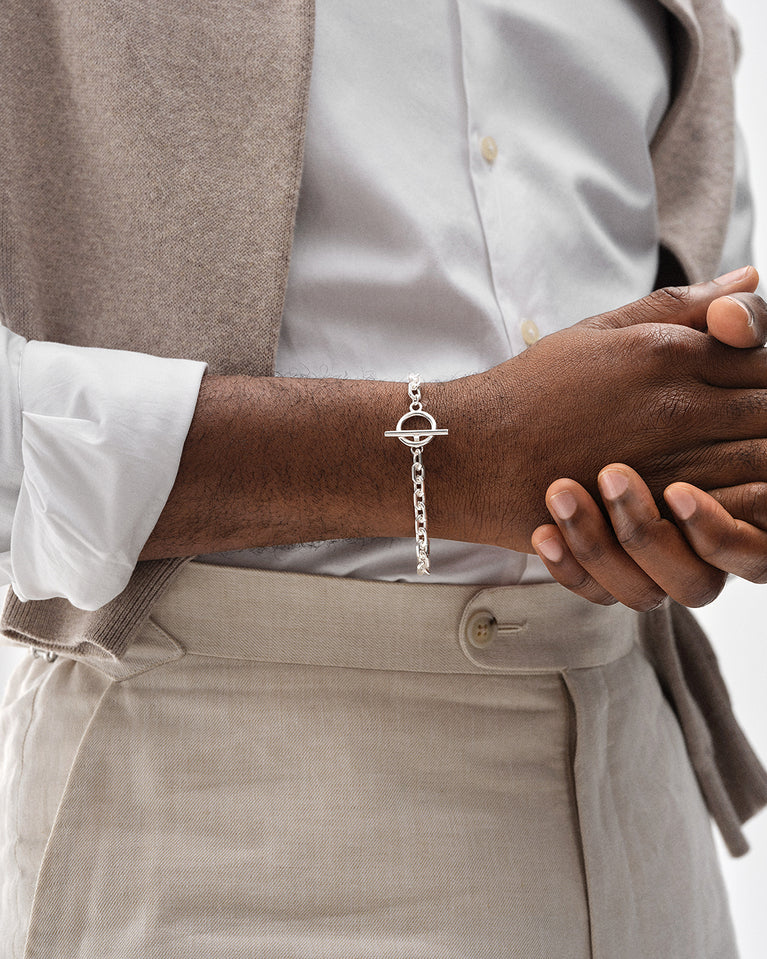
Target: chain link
[419,483]
[419,502]
[414,392]
[416,440]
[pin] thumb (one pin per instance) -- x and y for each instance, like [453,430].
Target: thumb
[681,305]
[739,320]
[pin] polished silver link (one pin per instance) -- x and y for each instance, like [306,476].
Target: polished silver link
[414,391]
[415,440]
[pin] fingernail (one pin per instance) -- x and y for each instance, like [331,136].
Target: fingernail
[613,484]
[563,505]
[681,502]
[732,277]
[743,307]
[551,549]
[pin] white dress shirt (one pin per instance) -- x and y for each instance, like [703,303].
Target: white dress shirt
[477,175]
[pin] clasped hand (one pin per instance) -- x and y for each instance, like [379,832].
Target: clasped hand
[636,552]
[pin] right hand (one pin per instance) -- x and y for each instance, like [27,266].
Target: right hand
[641,385]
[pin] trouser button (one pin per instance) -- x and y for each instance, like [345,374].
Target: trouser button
[481,629]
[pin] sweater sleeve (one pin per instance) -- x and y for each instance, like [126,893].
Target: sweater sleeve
[738,249]
[90,447]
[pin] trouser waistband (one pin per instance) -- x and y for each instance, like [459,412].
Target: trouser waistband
[276,617]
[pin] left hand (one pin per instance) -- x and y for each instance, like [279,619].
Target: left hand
[642,557]
[638,557]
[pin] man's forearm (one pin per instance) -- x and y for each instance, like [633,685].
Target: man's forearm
[270,461]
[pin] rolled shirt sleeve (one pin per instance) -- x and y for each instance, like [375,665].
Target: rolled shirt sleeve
[90,449]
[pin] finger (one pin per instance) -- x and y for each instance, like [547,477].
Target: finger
[555,554]
[721,540]
[727,368]
[747,502]
[595,549]
[655,544]
[702,355]
[684,305]
[738,320]
[717,465]
[729,414]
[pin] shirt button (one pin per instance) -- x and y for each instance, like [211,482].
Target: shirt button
[530,332]
[481,629]
[488,148]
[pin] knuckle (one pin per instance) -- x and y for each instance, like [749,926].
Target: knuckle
[668,352]
[665,341]
[580,582]
[747,460]
[753,502]
[744,405]
[594,592]
[658,306]
[757,570]
[638,536]
[650,599]
[588,554]
[713,548]
[672,299]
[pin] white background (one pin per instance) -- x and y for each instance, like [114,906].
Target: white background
[736,620]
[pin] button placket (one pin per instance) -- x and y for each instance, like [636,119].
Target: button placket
[490,150]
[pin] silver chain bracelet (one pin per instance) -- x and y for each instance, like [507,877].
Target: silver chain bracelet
[415,440]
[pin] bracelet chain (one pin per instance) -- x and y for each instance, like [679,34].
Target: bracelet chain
[416,439]
[418,475]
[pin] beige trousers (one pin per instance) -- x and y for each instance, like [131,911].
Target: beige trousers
[304,767]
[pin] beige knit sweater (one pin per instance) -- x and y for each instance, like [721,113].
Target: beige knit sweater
[151,158]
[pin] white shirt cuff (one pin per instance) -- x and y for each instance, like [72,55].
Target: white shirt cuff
[101,438]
